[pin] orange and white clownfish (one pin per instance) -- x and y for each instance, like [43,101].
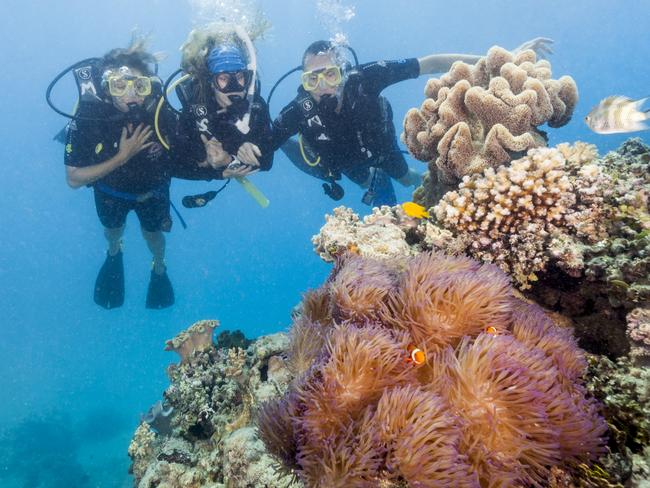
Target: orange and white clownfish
[415,355]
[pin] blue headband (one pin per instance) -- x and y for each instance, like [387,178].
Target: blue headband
[226,58]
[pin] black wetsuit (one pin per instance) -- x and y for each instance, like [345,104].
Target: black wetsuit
[209,119]
[141,184]
[361,136]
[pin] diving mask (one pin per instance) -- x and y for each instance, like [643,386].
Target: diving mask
[331,75]
[235,81]
[124,82]
[118,86]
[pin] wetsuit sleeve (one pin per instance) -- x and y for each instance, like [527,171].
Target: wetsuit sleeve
[381,74]
[262,134]
[79,147]
[286,124]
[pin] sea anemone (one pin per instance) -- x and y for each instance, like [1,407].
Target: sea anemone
[306,340]
[358,364]
[422,439]
[490,385]
[275,427]
[360,288]
[316,306]
[441,299]
[534,328]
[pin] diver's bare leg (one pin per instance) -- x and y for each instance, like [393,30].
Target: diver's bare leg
[114,238]
[156,243]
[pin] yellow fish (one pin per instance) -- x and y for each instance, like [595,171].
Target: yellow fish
[414,210]
[617,114]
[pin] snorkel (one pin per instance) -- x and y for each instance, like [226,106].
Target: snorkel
[243,124]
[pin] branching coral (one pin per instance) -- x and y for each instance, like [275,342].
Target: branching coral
[511,210]
[501,410]
[475,117]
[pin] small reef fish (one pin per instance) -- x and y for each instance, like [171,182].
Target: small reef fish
[490,329]
[618,114]
[415,355]
[414,210]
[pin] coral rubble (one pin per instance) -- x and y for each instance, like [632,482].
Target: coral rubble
[498,401]
[476,117]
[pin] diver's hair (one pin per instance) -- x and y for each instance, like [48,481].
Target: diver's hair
[201,41]
[134,56]
[319,47]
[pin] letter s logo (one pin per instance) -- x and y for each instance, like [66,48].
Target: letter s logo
[203,125]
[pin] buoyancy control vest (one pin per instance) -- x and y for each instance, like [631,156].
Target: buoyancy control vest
[370,119]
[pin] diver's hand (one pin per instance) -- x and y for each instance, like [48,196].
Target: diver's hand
[541,46]
[132,145]
[239,171]
[248,154]
[217,157]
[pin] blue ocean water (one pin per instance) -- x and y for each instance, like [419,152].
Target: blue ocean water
[73,377]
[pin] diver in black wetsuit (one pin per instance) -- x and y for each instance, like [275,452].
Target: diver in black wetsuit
[346,127]
[225,120]
[111,147]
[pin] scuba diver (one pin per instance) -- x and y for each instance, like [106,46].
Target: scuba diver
[225,121]
[111,147]
[345,127]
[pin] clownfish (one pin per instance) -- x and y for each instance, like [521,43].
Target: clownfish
[490,329]
[415,355]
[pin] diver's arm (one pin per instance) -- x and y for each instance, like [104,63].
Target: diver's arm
[286,125]
[441,63]
[258,148]
[81,176]
[78,176]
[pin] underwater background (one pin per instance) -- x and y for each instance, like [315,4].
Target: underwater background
[74,378]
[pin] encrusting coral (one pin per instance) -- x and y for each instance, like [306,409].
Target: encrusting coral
[476,117]
[498,401]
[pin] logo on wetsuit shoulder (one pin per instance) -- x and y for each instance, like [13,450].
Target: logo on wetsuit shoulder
[200,111]
[68,148]
[307,105]
[84,73]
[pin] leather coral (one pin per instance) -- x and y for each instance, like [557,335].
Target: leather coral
[475,117]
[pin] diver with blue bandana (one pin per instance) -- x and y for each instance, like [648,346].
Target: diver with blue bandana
[111,147]
[224,119]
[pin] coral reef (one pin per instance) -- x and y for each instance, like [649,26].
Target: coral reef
[638,330]
[498,401]
[212,395]
[624,390]
[477,117]
[377,235]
